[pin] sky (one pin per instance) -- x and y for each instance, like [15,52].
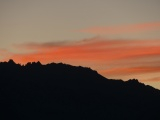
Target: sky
[118,38]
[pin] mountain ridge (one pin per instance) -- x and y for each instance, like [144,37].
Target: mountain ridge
[62,91]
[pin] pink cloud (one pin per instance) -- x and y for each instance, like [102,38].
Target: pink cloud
[120,29]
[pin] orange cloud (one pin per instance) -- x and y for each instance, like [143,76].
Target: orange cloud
[112,58]
[132,70]
[122,28]
[4,54]
[94,49]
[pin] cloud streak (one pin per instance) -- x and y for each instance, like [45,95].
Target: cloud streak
[154,79]
[112,58]
[93,49]
[132,70]
[121,29]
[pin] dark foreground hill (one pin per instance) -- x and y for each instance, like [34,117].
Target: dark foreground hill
[64,92]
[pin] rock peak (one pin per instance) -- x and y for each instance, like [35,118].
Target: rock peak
[11,61]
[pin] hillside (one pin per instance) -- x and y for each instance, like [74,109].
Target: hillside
[64,92]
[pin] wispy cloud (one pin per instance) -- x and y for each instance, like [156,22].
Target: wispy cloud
[94,49]
[4,54]
[2,51]
[36,46]
[120,29]
[132,70]
[110,57]
[154,79]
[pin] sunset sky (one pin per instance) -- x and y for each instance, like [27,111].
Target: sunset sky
[118,38]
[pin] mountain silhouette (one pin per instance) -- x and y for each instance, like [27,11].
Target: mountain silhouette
[64,92]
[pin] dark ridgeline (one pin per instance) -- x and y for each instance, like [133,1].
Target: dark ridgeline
[64,92]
